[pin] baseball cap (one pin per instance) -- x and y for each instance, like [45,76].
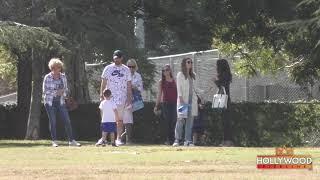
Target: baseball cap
[117,54]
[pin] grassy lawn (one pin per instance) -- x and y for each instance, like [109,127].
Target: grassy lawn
[38,160]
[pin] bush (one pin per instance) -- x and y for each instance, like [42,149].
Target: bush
[253,124]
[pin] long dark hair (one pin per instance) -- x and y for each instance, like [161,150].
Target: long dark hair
[184,69]
[223,70]
[163,77]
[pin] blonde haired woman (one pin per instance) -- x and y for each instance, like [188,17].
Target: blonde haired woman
[137,87]
[187,98]
[55,89]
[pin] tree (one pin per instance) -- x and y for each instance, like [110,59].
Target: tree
[266,45]
[303,41]
[8,67]
[40,43]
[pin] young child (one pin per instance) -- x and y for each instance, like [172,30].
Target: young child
[110,118]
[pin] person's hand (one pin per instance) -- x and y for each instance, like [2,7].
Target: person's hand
[156,108]
[101,97]
[119,122]
[128,102]
[60,92]
[134,87]
[181,101]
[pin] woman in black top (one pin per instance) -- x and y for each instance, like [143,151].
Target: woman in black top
[224,78]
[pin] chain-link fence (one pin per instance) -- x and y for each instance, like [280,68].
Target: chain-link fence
[257,89]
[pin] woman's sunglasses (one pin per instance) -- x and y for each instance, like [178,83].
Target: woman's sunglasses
[131,66]
[168,70]
[189,62]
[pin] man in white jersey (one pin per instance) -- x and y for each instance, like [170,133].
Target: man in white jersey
[117,78]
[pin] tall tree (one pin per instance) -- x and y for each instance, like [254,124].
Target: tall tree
[21,40]
[33,126]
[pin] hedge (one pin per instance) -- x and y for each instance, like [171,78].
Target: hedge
[253,124]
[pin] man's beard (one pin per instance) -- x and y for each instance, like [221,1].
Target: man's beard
[117,62]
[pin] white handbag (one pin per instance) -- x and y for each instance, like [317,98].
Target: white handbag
[220,101]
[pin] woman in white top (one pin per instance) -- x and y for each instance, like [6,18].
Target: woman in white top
[137,85]
[187,99]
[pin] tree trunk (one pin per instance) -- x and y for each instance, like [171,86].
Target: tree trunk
[33,127]
[139,25]
[23,92]
[81,90]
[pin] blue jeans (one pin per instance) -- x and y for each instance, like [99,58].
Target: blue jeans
[170,119]
[52,111]
[187,130]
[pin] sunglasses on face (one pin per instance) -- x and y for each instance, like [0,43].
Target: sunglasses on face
[189,62]
[131,66]
[166,70]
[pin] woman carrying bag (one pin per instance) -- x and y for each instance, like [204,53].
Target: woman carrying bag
[223,80]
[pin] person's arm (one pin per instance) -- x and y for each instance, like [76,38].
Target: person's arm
[104,82]
[159,95]
[129,88]
[101,113]
[179,87]
[116,115]
[102,87]
[100,108]
[140,83]
[222,80]
[65,86]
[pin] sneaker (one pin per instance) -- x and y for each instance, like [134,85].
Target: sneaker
[191,144]
[175,143]
[186,143]
[114,145]
[74,143]
[119,143]
[54,144]
[101,143]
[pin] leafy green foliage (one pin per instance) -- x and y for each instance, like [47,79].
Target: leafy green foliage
[254,57]
[19,38]
[8,67]
[182,25]
[265,45]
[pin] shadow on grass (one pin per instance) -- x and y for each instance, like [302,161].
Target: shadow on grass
[40,143]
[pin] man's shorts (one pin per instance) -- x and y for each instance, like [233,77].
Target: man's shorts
[125,114]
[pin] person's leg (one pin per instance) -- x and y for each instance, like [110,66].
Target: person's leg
[112,133]
[66,120]
[188,129]
[112,138]
[178,131]
[195,137]
[127,121]
[120,109]
[128,131]
[104,136]
[102,140]
[51,111]
[165,122]
[172,121]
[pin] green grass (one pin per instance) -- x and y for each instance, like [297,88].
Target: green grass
[38,160]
